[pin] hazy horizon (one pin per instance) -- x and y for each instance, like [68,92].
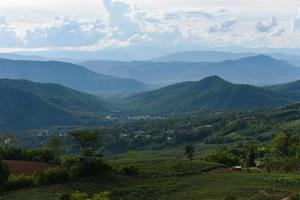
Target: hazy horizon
[159,27]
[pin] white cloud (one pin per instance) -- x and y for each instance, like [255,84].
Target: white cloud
[224,26]
[266,27]
[197,13]
[168,23]
[119,18]
[8,35]
[67,31]
[296,22]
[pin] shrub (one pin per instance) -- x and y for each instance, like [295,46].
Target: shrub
[83,196]
[52,176]
[4,175]
[283,164]
[230,198]
[130,170]
[72,196]
[223,157]
[85,167]
[38,155]
[294,197]
[18,182]
[42,155]
[261,196]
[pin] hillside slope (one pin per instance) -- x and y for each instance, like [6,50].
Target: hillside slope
[27,105]
[212,93]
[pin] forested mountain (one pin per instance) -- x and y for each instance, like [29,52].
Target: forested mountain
[212,93]
[26,105]
[69,75]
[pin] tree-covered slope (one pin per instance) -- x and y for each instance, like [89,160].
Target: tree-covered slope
[69,75]
[27,105]
[212,93]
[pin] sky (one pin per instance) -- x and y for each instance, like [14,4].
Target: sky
[187,24]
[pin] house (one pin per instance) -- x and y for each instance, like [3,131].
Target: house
[8,141]
[237,168]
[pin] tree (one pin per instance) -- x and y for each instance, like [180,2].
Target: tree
[89,142]
[56,145]
[280,144]
[250,156]
[189,152]
[4,175]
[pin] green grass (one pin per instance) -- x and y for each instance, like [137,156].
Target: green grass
[173,179]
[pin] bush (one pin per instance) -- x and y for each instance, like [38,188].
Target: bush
[85,167]
[18,182]
[4,175]
[42,155]
[130,170]
[223,157]
[230,198]
[283,164]
[83,196]
[52,176]
[39,155]
[261,196]
[294,197]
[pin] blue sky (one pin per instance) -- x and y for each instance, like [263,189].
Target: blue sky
[191,24]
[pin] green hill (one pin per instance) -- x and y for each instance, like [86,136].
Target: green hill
[27,105]
[212,93]
[291,88]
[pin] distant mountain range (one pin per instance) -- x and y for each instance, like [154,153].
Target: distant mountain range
[202,56]
[27,105]
[212,93]
[154,73]
[219,56]
[257,70]
[69,75]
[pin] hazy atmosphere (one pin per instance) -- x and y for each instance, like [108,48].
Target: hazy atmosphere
[178,25]
[150,100]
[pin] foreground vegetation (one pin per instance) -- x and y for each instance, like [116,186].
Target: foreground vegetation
[239,155]
[172,184]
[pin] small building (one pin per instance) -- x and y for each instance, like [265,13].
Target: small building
[237,168]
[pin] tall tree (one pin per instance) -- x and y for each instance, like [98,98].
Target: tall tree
[89,142]
[56,144]
[189,153]
[250,155]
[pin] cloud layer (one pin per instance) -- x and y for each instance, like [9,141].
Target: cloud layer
[127,24]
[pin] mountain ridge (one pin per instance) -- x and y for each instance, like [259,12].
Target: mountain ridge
[211,93]
[27,105]
[69,75]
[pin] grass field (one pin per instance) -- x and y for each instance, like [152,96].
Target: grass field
[174,179]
